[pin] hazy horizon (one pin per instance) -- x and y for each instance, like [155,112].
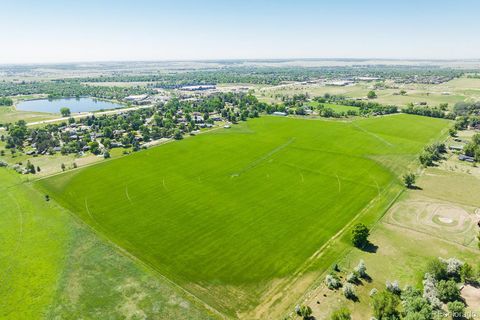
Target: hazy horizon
[125,31]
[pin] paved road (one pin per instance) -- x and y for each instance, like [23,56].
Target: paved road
[88,114]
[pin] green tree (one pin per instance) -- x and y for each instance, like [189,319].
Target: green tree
[371,95]
[448,291]
[349,291]
[415,306]
[341,314]
[65,112]
[305,312]
[409,180]
[360,234]
[426,159]
[385,306]
[177,134]
[456,310]
[452,132]
[94,147]
[466,273]
[437,269]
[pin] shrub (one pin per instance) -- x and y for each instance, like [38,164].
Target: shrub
[352,277]
[332,282]
[430,291]
[361,269]
[453,266]
[349,291]
[393,287]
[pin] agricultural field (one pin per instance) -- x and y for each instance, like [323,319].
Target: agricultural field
[231,213]
[53,267]
[438,219]
[451,92]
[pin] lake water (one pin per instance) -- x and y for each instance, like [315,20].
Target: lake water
[75,105]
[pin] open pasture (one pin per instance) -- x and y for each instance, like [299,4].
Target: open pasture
[228,213]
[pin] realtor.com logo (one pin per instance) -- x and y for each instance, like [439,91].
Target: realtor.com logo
[460,315]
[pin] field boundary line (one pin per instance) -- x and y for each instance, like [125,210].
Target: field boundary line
[376,136]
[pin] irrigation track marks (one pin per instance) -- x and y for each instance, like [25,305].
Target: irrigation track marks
[376,136]
[259,160]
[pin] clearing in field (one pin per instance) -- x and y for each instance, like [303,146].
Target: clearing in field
[228,213]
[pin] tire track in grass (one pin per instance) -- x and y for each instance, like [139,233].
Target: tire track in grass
[90,214]
[339,183]
[128,196]
[259,160]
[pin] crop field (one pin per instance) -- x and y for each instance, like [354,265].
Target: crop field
[228,213]
[52,267]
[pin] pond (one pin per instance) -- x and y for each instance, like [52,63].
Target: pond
[74,104]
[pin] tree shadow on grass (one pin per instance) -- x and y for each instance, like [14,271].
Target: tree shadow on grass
[370,248]
[415,188]
[367,278]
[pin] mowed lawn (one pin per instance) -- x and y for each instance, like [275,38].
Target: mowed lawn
[246,205]
[335,107]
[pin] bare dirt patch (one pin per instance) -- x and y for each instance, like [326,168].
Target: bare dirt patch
[450,221]
[471,294]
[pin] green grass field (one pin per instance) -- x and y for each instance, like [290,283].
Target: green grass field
[228,213]
[10,115]
[335,107]
[397,236]
[52,267]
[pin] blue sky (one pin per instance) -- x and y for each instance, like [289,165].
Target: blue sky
[102,30]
